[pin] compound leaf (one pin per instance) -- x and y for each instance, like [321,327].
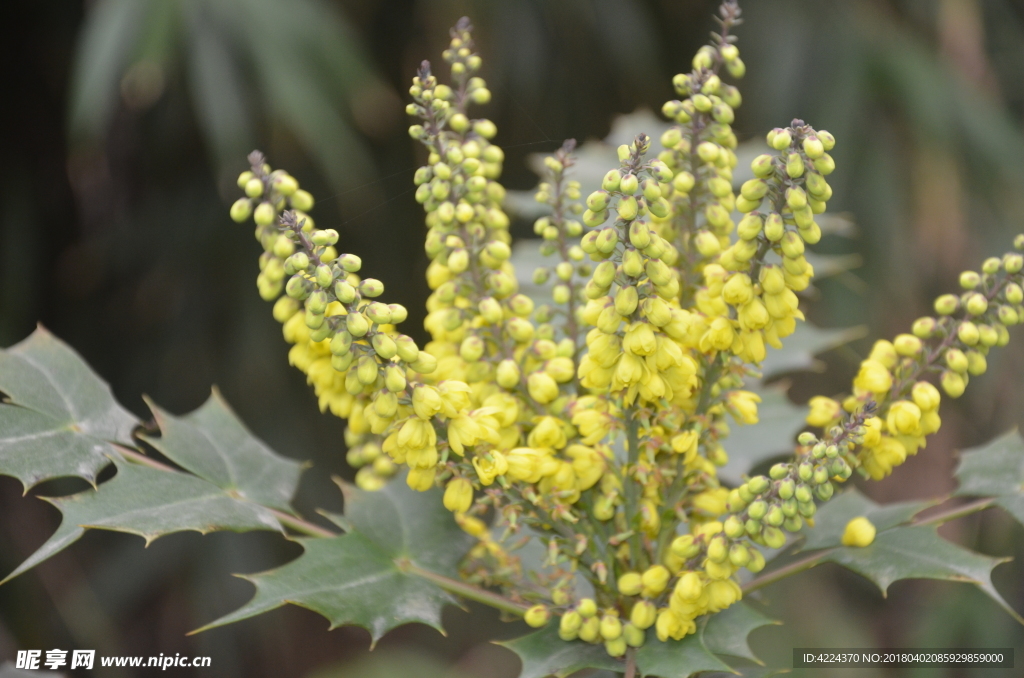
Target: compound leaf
[150,503]
[214,444]
[543,653]
[59,417]
[727,631]
[367,577]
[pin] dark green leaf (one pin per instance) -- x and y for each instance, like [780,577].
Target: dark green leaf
[919,552]
[727,631]
[408,524]
[361,578]
[212,443]
[349,580]
[543,653]
[832,517]
[150,503]
[677,658]
[993,469]
[105,46]
[216,87]
[60,417]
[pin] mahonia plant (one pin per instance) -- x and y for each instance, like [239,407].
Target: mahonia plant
[592,428]
[598,422]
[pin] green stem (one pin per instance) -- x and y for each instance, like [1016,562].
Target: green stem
[630,485]
[465,590]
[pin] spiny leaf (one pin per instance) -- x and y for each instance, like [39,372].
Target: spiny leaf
[727,631]
[214,444]
[349,580]
[832,517]
[899,551]
[918,552]
[405,523]
[362,578]
[543,653]
[150,503]
[60,417]
[677,658]
[995,469]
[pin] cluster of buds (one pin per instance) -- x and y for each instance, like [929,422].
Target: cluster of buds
[597,424]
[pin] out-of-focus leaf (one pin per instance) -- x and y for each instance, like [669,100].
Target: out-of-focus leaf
[59,418]
[995,469]
[543,653]
[217,91]
[291,88]
[798,349]
[363,577]
[828,265]
[212,443]
[677,658]
[832,517]
[779,420]
[150,503]
[105,47]
[918,552]
[726,632]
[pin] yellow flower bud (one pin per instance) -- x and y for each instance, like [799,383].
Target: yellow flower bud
[542,386]
[458,495]
[953,384]
[859,532]
[643,614]
[611,627]
[926,396]
[537,616]
[630,584]
[507,374]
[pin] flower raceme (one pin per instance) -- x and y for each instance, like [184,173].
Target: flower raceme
[596,423]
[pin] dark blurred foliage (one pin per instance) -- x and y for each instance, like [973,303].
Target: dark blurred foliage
[126,120]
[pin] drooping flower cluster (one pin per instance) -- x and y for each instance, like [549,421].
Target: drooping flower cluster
[596,424]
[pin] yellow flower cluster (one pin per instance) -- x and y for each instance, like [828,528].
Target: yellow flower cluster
[954,343]
[596,424]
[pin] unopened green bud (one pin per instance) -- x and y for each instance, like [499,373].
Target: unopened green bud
[757,509]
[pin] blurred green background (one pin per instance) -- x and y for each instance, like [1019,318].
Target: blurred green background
[126,121]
